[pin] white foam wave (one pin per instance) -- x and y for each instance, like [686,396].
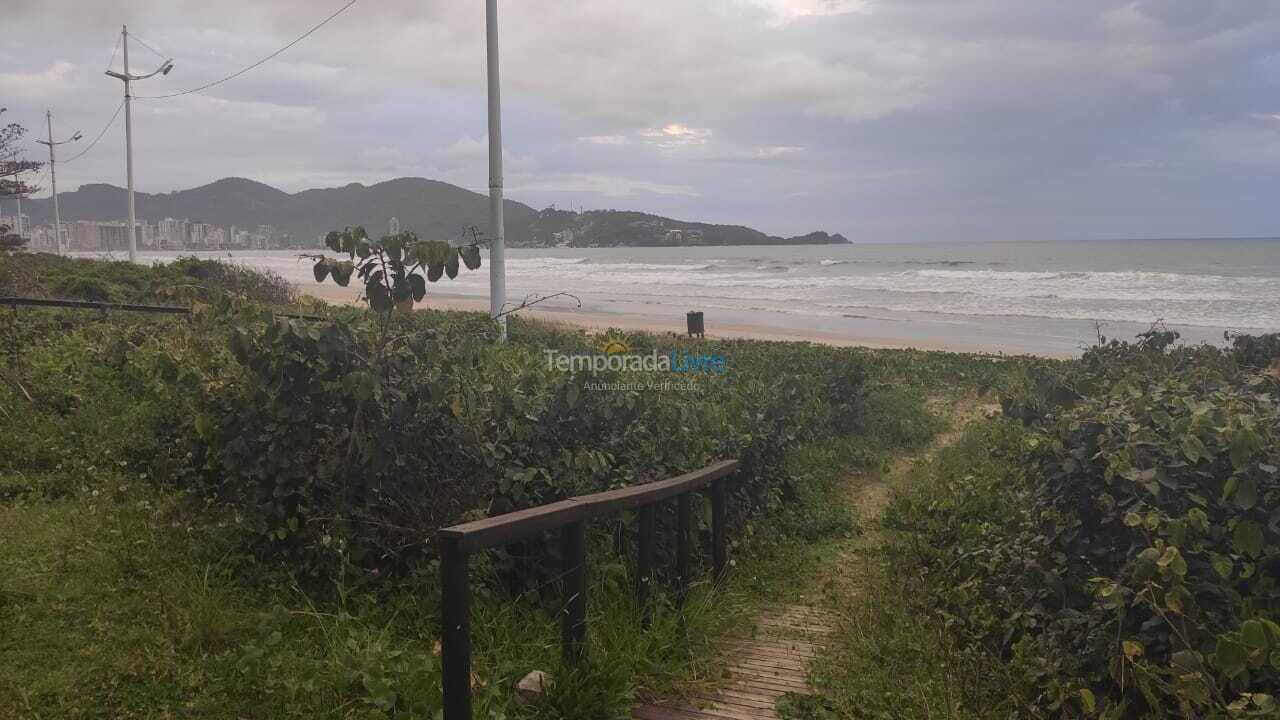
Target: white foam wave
[829,286]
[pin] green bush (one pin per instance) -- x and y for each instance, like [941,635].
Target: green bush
[345,444]
[351,442]
[183,281]
[1122,550]
[1256,351]
[331,452]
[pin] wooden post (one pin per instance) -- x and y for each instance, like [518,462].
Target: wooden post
[683,516]
[620,538]
[455,622]
[573,629]
[719,551]
[644,560]
[515,580]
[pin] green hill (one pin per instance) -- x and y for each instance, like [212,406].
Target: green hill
[428,207]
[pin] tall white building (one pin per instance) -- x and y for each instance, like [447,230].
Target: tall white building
[394,226]
[199,234]
[172,233]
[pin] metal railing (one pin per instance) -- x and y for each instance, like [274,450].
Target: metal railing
[457,543]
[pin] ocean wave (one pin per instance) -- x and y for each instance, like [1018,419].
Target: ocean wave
[948,263]
[831,286]
[1006,285]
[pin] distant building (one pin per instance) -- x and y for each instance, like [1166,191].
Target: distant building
[237,238]
[198,235]
[682,237]
[84,235]
[148,236]
[113,236]
[394,226]
[172,234]
[42,238]
[264,238]
[65,233]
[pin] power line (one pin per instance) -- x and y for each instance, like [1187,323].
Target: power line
[238,73]
[110,122]
[144,44]
[112,61]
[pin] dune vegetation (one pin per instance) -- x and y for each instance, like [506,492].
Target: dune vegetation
[231,513]
[1109,548]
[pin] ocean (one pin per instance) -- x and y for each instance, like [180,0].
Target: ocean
[1046,297]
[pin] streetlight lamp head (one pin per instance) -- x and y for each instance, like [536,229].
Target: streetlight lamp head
[168,65]
[77,136]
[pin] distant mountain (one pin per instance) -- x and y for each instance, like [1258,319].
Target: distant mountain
[430,208]
[610,228]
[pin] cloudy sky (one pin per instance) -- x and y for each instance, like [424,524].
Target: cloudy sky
[879,119]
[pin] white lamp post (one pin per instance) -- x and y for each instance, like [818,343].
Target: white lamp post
[53,178]
[128,132]
[497,254]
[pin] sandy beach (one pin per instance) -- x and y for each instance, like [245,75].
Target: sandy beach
[721,324]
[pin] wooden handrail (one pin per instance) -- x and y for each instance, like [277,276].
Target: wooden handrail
[91,305]
[510,527]
[456,544]
[15,302]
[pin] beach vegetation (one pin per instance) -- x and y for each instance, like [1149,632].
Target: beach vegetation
[396,269]
[1107,549]
[230,513]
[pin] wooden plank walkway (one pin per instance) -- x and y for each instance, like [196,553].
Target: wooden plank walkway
[760,669]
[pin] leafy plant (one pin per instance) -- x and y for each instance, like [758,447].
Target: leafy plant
[396,269]
[1120,549]
[10,241]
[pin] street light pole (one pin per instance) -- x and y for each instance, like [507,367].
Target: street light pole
[128,145]
[497,254]
[53,178]
[128,131]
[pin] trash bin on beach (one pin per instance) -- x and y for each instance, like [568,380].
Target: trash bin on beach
[695,325]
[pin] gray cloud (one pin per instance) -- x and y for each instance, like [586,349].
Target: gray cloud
[881,119]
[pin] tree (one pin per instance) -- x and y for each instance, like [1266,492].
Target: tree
[12,166]
[10,241]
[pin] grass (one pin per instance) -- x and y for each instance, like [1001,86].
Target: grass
[110,605]
[126,603]
[892,657]
[122,600]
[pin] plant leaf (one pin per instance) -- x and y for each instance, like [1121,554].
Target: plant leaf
[1247,538]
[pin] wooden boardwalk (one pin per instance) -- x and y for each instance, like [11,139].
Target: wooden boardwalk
[761,669]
